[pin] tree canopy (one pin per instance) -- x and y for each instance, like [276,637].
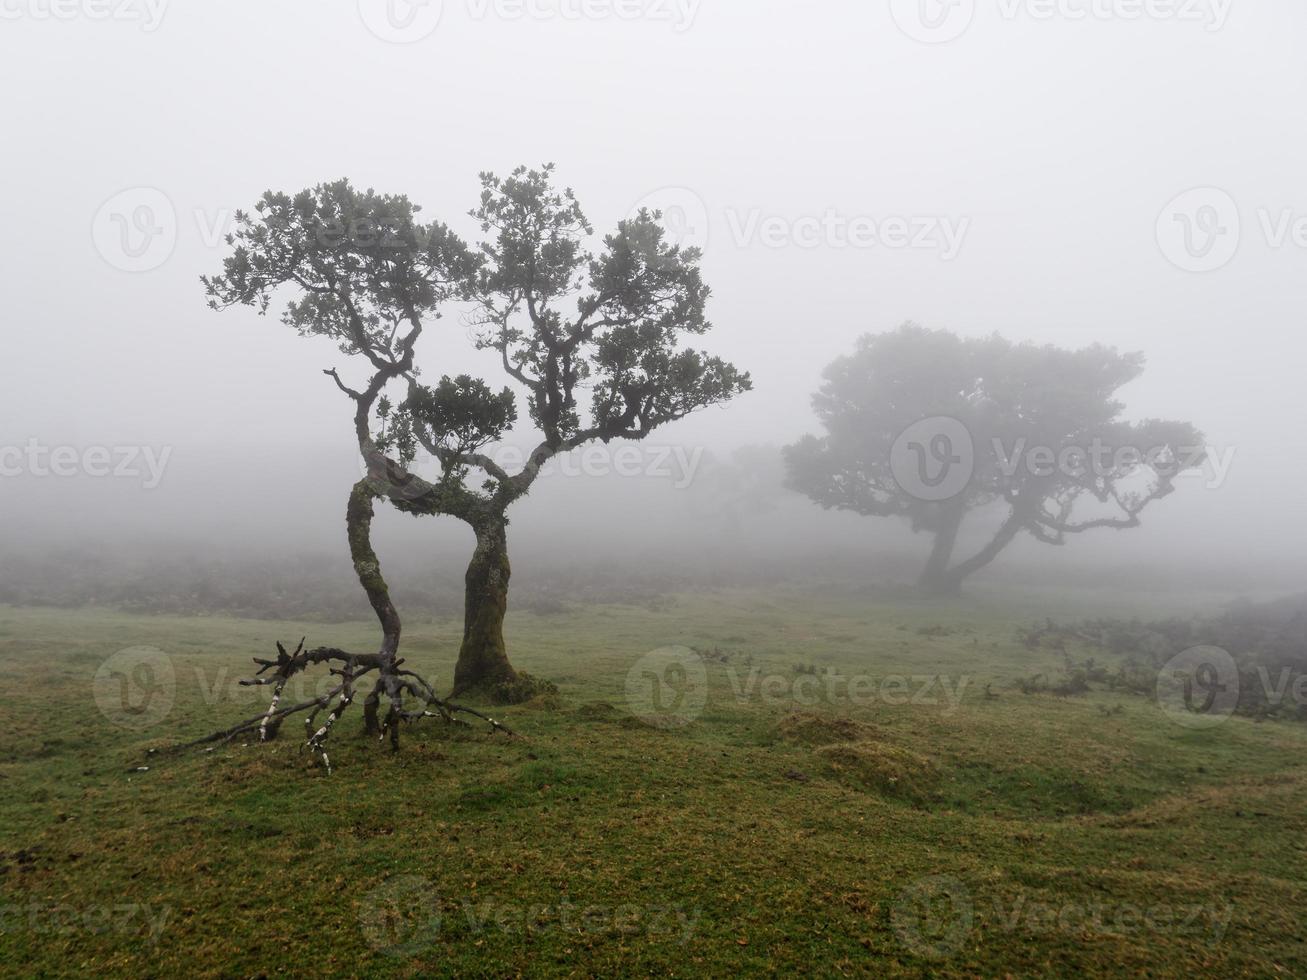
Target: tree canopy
[1037,428]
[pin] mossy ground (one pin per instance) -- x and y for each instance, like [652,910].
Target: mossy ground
[1038,836]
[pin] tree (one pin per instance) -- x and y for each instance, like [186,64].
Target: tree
[563,322]
[929,426]
[363,271]
[366,274]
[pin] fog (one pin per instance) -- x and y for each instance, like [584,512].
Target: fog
[1037,164]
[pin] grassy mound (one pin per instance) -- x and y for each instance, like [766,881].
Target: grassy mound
[883,769]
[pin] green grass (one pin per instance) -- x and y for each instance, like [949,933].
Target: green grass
[765,836]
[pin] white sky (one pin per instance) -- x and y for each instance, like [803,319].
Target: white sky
[1055,142]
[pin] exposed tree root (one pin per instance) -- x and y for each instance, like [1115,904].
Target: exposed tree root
[409,696]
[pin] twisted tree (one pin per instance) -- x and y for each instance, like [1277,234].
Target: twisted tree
[927,426]
[362,270]
[564,323]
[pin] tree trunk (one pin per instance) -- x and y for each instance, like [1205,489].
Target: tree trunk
[358,527]
[483,657]
[410,696]
[935,578]
[949,581]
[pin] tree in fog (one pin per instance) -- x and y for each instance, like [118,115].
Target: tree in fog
[566,325]
[594,341]
[925,425]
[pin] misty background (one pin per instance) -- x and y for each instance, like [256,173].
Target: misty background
[1044,152]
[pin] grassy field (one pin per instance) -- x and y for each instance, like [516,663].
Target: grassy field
[883,816]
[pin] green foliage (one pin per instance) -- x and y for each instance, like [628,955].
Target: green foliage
[564,320]
[358,265]
[361,268]
[456,418]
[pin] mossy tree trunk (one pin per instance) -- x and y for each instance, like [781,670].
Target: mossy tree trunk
[483,658]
